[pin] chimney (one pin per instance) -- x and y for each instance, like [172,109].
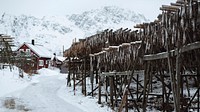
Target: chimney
[33,42]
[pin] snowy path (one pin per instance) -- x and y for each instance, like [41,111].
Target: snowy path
[45,92]
[42,96]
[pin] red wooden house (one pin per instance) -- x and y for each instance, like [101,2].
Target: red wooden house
[41,54]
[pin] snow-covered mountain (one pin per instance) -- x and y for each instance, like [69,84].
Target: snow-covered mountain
[56,32]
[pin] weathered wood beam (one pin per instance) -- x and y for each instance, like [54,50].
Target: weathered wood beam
[167,9]
[139,26]
[125,44]
[136,42]
[105,49]
[176,4]
[180,1]
[125,29]
[171,7]
[122,73]
[124,98]
[117,31]
[113,47]
[173,53]
[157,21]
[6,38]
[82,40]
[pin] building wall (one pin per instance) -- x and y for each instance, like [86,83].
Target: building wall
[43,63]
[40,62]
[25,48]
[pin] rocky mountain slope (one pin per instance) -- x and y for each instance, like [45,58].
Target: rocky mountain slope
[56,32]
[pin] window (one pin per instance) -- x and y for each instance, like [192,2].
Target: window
[41,62]
[28,51]
[47,62]
[21,50]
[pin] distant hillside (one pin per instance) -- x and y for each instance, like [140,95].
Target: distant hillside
[56,32]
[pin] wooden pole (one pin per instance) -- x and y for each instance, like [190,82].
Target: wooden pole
[96,62]
[198,100]
[74,80]
[137,87]
[106,88]
[173,83]
[91,74]
[99,93]
[124,99]
[178,83]
[126,102]
[84,81]
[111,91]
[178,76]
[69,73]
[163,90]
[181,91]
[115,87]
[92,88]
[146,79]
[82,76]
[198,77]
[98,69]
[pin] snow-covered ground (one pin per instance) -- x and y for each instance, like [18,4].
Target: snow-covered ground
[45,92]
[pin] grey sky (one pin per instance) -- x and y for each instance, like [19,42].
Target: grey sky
[39,8]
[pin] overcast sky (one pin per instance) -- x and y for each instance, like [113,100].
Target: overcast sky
[40,8]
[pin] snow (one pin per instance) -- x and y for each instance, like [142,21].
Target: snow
[43,92]
[57,32]
[10,82]
[47,92]
[40,50]
[60,58]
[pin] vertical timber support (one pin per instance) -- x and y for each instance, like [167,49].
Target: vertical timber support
[98,67]
[146,81]
[137,87]
[84,77]
[111,91]
[91,73]
[198,80]
[69,73]
[74,79]
[178,76]
[99,93]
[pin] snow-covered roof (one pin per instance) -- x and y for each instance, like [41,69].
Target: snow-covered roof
[60,58]
[14,48]
[40,50]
